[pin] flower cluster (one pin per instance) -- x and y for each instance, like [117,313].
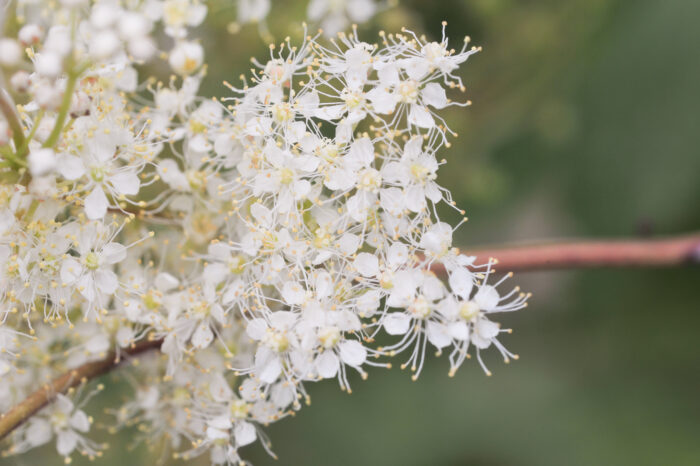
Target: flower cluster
[268,239]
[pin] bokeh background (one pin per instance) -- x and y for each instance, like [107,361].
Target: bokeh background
[585,123]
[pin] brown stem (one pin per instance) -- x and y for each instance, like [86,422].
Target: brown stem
[668,252]
[661,252]
[45,395]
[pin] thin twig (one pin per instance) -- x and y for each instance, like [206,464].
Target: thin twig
[668,252]
[45,395]
[659,252]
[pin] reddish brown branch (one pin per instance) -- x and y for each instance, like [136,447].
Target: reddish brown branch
[663,252]
[666,252]
[45,395]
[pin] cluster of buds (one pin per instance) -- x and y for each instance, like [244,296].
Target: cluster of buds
[268,238]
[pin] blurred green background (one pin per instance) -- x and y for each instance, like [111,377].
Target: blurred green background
[585,122]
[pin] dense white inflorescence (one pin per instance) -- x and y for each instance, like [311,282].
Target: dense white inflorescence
[269,238]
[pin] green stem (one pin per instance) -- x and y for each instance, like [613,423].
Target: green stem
[8,109]
[22,151]
[31,210]
[74,73]
[63,111]
[12,157]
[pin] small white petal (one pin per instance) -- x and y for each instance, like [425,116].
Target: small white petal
[245,434]
[327,364]
[97,344]
[256,329]
[70,167]
[202,337]
[397,255]
[126,183]
[39,432]
[352,353]
[366,264]
[96,204]
[421,117]
[396,323]
[487,297]
[112,253]
[71,270]
[293,293]
[433,94]
[106,281]
[438,334]
[66,442]
[80,421]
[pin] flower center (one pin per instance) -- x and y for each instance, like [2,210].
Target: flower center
[276,341]
[150,301]
[92,261]
[408,92]
[329,152]
[97,174]
[434,51]
[329,337]
[197,126]
[239,409]
[282,112]
[420,307]
[370,179]
[196,179]
[236,265]
[286,175]
[322,238]
[420,172]
[59,420]
[353,99]
[468,310]
[201,310]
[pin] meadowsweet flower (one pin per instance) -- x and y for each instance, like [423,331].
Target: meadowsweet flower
[297,221]
[186,57]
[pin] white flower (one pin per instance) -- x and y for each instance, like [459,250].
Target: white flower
[66,422]
[91,271]
[186,57]
[298,220]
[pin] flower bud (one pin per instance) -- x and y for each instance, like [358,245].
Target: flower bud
[104,44]
[48,97]
[186,57]
[30,34]
[21,81]
[41,162]
[43,187]
[10,52]
[103,15]
[48,64]
[133,25]
[58,40]
[80,105]
[141,48]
